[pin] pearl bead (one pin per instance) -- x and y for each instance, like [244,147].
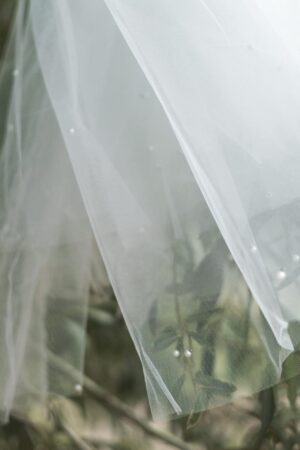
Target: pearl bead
[78,388]
[15,73]
[296,258]
[72,130]
[281,275]
[253,249]
[176,353]
[187,353]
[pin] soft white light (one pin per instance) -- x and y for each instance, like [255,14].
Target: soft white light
[253,249]
[187,353]
[296,258]
[281,275]
[176,353]
[78,388]
[72,130]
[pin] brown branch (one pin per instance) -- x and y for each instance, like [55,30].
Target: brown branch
[114,404]
[77,440]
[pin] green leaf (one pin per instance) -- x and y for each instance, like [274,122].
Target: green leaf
[193,420]
[178,386]
[204,316]
[183,254]
[294,332]
[213,384]
[292,390]
[167,337]
[208,237]
[198,337]
[202,401]
[268,407]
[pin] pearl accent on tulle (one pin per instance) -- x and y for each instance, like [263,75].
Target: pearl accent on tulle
[72,130]
[281,275]
[253,249]
[78,388]
[187,353]
[176,353]
[15,72]
[296,258]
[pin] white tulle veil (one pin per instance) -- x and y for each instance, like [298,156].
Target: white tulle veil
[164,136]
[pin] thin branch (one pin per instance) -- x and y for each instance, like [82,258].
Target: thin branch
[114,404]
[78,441]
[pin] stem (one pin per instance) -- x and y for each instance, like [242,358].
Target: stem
[77,440]
[176,297]
[115,405]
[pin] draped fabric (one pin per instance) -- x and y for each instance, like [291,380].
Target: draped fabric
[162,138]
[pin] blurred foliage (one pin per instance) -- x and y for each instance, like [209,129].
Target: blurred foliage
[6,11]
[112,411]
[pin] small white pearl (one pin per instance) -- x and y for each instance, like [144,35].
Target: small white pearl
[176,353]
[296,258]
[15,73]
[253,249]
[281,275]
[187,353]
[78,388]
[72,130]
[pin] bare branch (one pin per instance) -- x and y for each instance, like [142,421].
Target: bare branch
[114,404]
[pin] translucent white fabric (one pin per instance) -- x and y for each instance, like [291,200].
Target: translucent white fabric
[163,134]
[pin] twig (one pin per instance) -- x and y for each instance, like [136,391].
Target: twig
[114,404]
[78,441]
[100,443]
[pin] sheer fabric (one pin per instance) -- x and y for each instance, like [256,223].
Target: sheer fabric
[164,136]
